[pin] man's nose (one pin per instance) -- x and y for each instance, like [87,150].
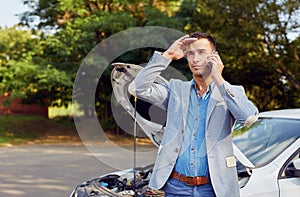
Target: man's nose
[197,57]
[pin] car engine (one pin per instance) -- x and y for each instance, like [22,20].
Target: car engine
[114,185]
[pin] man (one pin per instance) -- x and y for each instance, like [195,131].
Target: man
[195,157]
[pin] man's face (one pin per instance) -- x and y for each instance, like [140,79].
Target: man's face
[197,53]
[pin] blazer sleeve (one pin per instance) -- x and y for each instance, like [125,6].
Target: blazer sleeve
[144,87]
[242,109]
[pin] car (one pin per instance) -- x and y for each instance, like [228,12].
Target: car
[267,152]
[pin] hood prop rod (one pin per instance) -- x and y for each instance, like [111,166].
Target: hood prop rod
[134,147]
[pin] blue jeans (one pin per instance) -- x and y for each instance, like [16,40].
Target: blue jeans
[175,188]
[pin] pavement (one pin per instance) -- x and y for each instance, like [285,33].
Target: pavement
[55,170]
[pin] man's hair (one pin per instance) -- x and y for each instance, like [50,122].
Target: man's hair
[199,35]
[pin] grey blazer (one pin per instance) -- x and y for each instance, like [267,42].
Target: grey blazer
[227,104]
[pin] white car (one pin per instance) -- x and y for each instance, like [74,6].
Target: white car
[267,152]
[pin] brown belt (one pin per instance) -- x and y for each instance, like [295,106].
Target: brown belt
[190,180]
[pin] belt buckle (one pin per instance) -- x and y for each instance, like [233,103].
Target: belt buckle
[186,180]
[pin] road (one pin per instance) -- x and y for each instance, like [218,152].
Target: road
[55,170]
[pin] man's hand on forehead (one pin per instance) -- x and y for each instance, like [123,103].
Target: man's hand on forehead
[186,40]
[176,50]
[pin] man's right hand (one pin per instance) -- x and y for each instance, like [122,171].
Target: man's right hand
[177,50]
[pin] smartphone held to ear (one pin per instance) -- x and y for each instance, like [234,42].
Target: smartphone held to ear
[209,64]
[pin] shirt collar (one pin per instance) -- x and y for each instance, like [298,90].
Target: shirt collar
[208,91]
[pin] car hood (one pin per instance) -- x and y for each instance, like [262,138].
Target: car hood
[121,76]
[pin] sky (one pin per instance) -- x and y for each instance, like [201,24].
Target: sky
[8,10]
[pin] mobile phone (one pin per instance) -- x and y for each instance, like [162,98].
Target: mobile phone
[209,64]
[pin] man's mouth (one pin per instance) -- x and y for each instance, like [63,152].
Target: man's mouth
[197,67]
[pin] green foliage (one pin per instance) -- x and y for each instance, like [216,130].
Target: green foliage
[33,83]
[14,43]
[252,36]
[25,74]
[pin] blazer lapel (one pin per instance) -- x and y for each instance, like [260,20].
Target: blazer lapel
[214,98]
[185,100]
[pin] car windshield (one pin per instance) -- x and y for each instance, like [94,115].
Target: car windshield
[266,139]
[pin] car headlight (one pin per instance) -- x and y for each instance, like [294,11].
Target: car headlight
[93,188]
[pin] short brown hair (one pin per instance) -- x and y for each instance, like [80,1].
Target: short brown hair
[199,35]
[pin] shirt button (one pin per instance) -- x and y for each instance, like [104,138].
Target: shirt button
[176,150]
[196,119]
[192,163]
[193,149]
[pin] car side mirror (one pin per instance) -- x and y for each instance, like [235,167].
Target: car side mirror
[293,169]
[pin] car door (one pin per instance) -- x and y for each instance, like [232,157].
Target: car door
[289,177]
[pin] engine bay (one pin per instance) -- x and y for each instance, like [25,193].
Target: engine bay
[119,185]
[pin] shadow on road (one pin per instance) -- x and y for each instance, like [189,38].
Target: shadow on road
[55,170]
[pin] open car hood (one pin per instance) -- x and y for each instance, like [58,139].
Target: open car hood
[121,76]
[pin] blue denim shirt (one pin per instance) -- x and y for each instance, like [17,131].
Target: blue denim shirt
[192,159]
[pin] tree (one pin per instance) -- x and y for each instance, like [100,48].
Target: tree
[22,76]
[78,26]
[253,39]
[253,42]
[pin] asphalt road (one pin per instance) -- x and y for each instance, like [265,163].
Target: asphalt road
[55,170]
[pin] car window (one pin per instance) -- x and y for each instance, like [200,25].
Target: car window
[283,174]
[266,138]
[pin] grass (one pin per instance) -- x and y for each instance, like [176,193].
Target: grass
[35,129]
[19,130]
